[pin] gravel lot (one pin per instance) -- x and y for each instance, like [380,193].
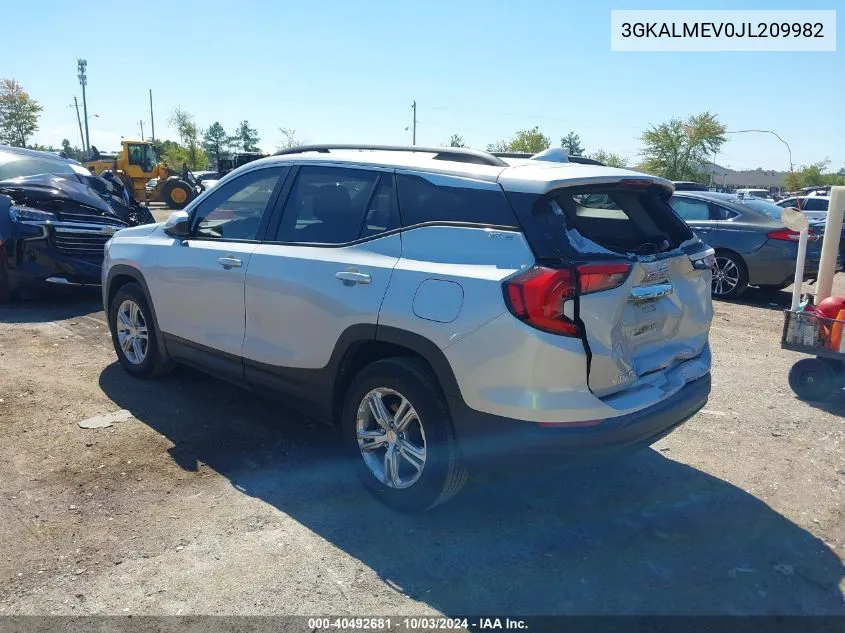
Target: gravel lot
[209,500]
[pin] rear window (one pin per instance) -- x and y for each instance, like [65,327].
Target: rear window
[451,199]
[620,220]
[769,208]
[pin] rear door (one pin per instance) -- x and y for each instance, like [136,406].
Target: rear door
[660,315]
[325,268]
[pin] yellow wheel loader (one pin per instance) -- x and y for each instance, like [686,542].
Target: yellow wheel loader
[137,164]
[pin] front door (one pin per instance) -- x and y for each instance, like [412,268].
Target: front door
[197,286]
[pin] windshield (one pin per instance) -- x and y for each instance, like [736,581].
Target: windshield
[757,193]
[14,165]
[769,208]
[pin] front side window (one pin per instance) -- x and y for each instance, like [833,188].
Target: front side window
[335,205]
[235,210]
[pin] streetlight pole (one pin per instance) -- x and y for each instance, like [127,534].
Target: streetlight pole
[414,133]
[79,120]
[81,65]
[775,134]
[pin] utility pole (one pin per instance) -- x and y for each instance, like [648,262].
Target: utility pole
[414,133]
[79,120]
[141,123]
[152,120]
[81,65]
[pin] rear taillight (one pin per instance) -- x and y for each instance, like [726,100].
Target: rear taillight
[788,235]
[596,277]
[538,295]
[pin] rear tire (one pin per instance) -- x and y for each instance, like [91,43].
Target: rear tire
[812,379]
[412,488]
[730,276]
[129,317]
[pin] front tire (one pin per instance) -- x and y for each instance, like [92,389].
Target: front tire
[134,334]
[177,194]
[399,435]
[730,276]
[5,284]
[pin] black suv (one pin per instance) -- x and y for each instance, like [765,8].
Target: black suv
[55,218]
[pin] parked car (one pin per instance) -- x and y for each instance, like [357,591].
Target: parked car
[687,185]
[814,207]
[55,218]
[763,194]
[508,313]
[199,176]
[753,247]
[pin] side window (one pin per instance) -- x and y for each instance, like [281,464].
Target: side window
[382,214]
[815,204]
[334,205]
[451,199]
[690,209]
[235,210]
[718,212]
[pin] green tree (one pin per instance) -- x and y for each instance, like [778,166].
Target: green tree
[288,138]
[609,158]
[18,113]
[814,175]
[527,141]
[456,141]
[246,138]
[71,151]
[188,133]
[215,140]
[572,143]
[678,150]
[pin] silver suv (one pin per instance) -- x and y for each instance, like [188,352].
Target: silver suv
[448,310]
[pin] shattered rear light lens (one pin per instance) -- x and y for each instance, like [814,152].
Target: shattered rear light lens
[598,277]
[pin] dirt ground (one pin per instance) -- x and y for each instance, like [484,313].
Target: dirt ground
[208,500]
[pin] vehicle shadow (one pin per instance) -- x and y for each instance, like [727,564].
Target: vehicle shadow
[644,535]
[52,305]
[769,299]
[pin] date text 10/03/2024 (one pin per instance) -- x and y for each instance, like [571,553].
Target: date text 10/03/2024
[416,624]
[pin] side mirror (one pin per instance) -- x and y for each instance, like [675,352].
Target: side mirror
[177,225]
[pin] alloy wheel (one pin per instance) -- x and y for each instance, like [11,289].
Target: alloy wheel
[391,438]
[132,334]
[725,276]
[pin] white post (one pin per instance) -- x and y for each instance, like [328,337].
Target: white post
[799,268]
[830,245]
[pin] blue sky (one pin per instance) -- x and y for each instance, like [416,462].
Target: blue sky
[348,72]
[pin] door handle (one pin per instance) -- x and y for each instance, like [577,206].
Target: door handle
[352,277]
[230,262]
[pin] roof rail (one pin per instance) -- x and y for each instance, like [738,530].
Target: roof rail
[459,154]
